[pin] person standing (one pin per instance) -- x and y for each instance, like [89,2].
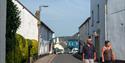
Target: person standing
[89,52]
[108,55]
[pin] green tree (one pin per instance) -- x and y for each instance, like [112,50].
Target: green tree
[16,45]
[12,24]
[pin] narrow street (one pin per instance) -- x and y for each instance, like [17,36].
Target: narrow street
[62,31]
[66,58]
[59,58]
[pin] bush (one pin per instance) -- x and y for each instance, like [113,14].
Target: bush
[23,46]
[34,49]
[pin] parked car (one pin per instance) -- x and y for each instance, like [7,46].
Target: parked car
[75,50]
[58,51]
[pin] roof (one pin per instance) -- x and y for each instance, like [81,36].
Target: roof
[34,16]
[85,22]
[46,26]
[76,34]
[68,38]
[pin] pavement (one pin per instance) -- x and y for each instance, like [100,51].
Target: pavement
[46,59]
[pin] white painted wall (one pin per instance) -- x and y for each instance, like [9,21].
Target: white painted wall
[2,30]
[116,31]
[28,28]
[111,18]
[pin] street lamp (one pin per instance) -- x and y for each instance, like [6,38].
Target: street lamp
[43,6]
[38,14]
[39,23]
[40,8]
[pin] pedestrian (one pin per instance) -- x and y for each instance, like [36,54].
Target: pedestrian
[108,55]
[89,52]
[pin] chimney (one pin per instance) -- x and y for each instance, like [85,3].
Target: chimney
[37,14]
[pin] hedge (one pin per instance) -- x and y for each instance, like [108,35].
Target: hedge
[20,53]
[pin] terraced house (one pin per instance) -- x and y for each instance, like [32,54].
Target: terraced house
[45,39]
[107,19]
[84,30]
[34,29]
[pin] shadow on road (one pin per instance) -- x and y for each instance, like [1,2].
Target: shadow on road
[77,56]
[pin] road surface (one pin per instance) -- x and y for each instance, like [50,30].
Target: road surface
[66,58]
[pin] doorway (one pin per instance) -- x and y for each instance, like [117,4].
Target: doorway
[97,45]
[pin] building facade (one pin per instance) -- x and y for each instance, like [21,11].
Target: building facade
[2,30]
[84,30]
[45,39]
[98,24]
[66,43]
[32,28]
[107,20]
[115,26]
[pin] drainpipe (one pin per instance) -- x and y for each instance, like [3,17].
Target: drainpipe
[106,19]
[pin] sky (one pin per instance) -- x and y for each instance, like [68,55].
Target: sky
[62,16]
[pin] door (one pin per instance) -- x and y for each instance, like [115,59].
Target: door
[97,44]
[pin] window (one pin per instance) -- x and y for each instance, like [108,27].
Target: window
[92,19]
[124,28]
[106,8]
[98,13]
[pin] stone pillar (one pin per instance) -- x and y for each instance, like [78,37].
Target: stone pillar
[2,30]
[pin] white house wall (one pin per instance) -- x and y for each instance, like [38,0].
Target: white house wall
[116,26]
[28,28]
[112,24]
[2,30]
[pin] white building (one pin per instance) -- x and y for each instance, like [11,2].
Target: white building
[28,27]
[108,20]
[2,30]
